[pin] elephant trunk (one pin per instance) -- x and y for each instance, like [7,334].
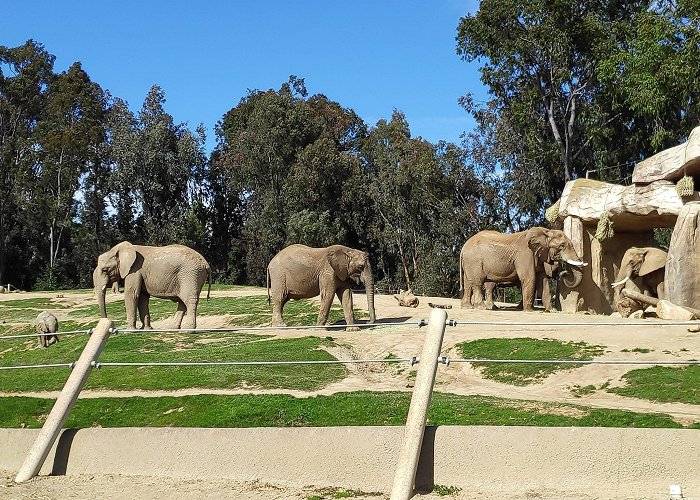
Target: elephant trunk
[573,264]
[367,279]
[573,277]
[100,291]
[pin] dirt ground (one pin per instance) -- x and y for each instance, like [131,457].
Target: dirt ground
[113,487]
[618,336]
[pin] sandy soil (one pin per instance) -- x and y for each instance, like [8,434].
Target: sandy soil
[112,487]
[665,342]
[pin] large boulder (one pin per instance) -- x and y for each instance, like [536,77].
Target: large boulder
[630,208]
[682,278]
[671,164]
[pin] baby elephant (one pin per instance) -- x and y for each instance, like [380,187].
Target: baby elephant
[46,323]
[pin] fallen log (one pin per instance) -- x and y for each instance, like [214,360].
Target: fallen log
[664,308]
[406,298]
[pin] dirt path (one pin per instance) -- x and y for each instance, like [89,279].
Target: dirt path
[113,487]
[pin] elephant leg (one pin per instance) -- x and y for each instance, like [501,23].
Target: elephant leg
[326,301]
[489,286]
[190,319]
[528,287]
[466,293]
[144,312]
[478,295]
[179,314]
[546,294]
[278,301]
[131,299]
[345,298]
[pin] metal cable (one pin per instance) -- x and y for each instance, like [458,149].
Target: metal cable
[54,365]
[99,364]
[445,360]
[24,335]
[419,323]
[607,323]
[413,360]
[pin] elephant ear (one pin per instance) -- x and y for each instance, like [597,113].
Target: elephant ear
[126,254]
[357,262]
[339,261]
[537,241]
[654,259]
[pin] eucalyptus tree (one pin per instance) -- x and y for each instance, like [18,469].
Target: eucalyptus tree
[576,87]
[156,166]
[25,74]
[540,62]
[407,190]
[70,140]
[292,162]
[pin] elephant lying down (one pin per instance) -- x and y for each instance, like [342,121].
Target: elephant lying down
[301,272]
[529,257]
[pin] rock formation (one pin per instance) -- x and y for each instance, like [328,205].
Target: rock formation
[603,220]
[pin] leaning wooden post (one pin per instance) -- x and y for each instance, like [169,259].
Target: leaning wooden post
[65,402]
[405,475]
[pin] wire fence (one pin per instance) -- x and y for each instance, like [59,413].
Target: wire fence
[445,360]
[419,323]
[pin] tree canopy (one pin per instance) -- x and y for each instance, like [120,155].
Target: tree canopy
[576,88]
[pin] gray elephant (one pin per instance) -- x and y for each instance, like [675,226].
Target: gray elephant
[301,272]
[174,272]
[528,257]
[642,270]
[46,323]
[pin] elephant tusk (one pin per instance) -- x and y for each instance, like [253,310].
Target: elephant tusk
[104,287]
[618,283]
[576,263]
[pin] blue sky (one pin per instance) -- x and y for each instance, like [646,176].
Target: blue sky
[371,56]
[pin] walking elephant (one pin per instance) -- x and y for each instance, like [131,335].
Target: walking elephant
[46,323]
[174,272]
[301,272]
[529,257]
[642,269]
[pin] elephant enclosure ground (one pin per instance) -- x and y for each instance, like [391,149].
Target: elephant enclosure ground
[568,393]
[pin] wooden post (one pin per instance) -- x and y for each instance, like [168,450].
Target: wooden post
[65,402]
[405,475]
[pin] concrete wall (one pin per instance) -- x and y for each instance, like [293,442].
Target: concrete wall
[645,461]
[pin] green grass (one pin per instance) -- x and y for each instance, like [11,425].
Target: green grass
[525,348]
[330,493]
[443,491]
[24,310]
[579,391]
[664,384]
[177,348]
[356,408]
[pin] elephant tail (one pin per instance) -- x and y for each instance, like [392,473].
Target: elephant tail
[267,283]
[209,276]
[461,278]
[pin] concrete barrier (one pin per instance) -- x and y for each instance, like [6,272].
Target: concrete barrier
[639,461]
